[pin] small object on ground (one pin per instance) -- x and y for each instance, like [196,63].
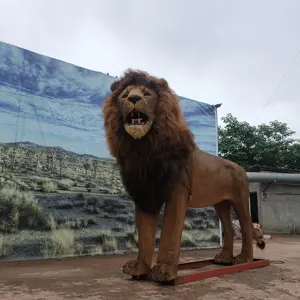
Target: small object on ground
[266,237]
[238,234]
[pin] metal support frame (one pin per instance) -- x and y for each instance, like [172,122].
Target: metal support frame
[216,106]
[223,270]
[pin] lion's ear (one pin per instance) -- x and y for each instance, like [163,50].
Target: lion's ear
[163,83]
[114,85]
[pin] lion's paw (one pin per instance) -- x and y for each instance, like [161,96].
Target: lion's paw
[163,272]
[242,259]
[223,258]
[137,269]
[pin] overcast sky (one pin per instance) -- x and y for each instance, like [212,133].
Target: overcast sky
[233,52]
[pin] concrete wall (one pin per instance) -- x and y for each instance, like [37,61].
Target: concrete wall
[279,209]
[254,186]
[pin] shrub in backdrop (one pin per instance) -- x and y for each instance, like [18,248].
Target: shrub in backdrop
[19,210]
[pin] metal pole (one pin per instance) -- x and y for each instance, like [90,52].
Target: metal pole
[217,153]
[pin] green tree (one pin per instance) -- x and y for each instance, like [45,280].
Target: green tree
[237,141]
[270,145]
[275,144]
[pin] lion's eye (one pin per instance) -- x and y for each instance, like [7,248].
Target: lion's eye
[147,94]
[125,95]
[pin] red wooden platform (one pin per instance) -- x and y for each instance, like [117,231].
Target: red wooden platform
[222,270]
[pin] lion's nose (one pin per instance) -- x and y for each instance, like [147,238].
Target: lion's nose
[134,99]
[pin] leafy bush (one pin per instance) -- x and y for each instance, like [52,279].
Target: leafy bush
[49,187]
[4,246]
[95,250]
[40,180]
[19,210]
[105,234]
[108,241]
[22,186]
[60,243]
[91,185]
[75,224]
[187,240]
[109,244]
[51,222]
[215,238]
[187,225]
[215,235]
[65,184]
[132,237]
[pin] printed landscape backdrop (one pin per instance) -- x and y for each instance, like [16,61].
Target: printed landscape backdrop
[60,191]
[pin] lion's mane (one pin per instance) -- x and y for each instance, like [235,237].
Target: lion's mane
[152,165]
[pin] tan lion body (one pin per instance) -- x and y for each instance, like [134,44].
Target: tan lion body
[160,164]
[212,179]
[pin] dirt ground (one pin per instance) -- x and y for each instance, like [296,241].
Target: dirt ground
[101,278]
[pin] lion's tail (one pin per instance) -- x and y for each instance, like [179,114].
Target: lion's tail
[258,236]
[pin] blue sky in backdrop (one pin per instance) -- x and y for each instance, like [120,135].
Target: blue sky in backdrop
[241,53]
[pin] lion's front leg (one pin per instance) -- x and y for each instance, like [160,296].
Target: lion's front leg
[146,226]
[166,267]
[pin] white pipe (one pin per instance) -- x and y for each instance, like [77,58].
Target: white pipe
[273,177]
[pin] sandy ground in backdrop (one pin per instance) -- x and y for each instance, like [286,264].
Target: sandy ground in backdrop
[101,278]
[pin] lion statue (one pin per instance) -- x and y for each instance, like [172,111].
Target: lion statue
[160,164]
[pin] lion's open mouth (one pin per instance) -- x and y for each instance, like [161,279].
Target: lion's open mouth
[136,118]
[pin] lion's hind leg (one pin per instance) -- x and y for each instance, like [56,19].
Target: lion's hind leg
[242,210]
[223,210]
